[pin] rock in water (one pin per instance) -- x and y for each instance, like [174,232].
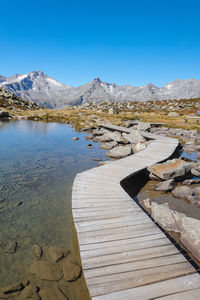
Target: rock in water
[52,294]
[58,254]
[119,152]
[182,192]
[46,270]
[171,169]
[75,138]
[71,271]
[37,250]
[30,292]
[108,146]
[167,185]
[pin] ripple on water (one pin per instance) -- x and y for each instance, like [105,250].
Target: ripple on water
[38,164]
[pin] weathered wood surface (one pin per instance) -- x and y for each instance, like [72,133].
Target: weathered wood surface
[124,254]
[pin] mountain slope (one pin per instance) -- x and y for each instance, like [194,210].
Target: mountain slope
[36,86]
[41,88]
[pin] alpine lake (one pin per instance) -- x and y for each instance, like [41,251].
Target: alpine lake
[39,161]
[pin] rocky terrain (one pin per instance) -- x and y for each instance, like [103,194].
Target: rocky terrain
[12,102]
[48,92]
[52,275]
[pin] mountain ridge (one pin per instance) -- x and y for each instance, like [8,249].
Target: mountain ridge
[44,90]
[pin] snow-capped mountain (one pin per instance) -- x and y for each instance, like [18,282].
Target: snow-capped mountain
[36,86]
[41,88]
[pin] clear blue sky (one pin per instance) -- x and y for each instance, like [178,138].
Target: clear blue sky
[121,41]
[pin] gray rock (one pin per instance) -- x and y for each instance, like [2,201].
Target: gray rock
[144,126]
[191,181]
[119,152]
[173,114]
[108,146]
[171,169]
[134,137]
[167,185]
[139,147]
[182,192]
[191,198]
[196,171]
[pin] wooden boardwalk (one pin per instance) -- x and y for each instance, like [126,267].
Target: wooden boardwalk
[124,254]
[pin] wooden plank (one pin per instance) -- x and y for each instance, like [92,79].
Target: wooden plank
[136,278]
[158,289]
[115,237]
[142,220]
[121,242]
[129,256]
[125,248]
[188,295]
[121,248]
[118,230]
[133,266]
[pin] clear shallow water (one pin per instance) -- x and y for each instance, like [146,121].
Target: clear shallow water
[38,163]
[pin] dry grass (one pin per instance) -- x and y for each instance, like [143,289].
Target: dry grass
[88,118]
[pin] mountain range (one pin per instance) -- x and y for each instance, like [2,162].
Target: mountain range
[42,89]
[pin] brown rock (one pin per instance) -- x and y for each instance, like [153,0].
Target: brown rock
[182,192]
[30,292]
[71,271]
[88,137]
[58,254]
[171,169]
[46,270]
[37,250]
[9,248]
[10,289]
[52,294]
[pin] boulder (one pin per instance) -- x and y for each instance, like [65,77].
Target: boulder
[99,132]
[52,294]
[144,126]
[191,181]
[171,169]
[30,292]
[167,185]
[138,147]
[189,228]
[71,271]
[37,250]
[134,137]
[190,235]
[75,138]
[166,217]
[108,146]
[119,152]
[196,171]
[46,270]
[173,114]
[58,254]
[182,192]
[104,138]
